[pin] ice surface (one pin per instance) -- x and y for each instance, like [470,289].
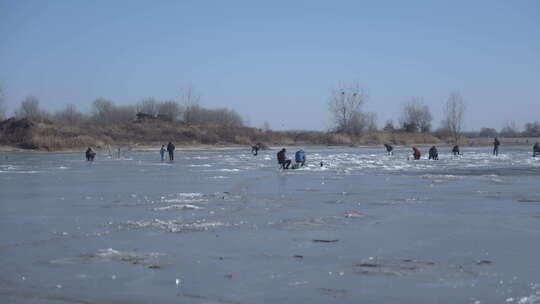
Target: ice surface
[224,226]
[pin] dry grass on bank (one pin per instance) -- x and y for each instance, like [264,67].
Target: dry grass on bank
[26,134]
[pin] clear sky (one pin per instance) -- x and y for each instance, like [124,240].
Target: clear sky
[277,61]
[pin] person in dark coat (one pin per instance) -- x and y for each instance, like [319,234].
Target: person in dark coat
[170,149]
[433,153]
[282,159]
[255,149]
[536,150]
[389,149]
[416,153]
[90,154]
[455,150]
[496,145]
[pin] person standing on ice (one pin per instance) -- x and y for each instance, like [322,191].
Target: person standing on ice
[170,149]
[162,152]
[255,149]
[496,145]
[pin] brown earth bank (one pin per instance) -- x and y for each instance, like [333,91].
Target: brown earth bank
[24,134]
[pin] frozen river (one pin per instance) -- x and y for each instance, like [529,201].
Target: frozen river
[223,226]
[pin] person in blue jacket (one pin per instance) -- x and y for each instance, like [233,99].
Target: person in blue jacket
[300,157]
[162,152]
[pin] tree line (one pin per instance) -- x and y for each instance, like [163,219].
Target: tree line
[106,112]
[345,106]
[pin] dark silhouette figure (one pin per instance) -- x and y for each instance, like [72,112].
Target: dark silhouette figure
[536,150]
[90,154]
[433,153]
[416,153]
[496,145]
[455,150]
[170,149]
[282,159]
[389,149]
[255,149]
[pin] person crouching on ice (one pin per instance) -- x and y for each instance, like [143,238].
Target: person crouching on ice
[300,158]
[416,153]
[433,153]
[389,149]
[282,159]
[90,154]
[455,150]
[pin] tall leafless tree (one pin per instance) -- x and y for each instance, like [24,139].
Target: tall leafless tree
[416,116]
[510,129]
[454,113]
[102,110]
[69,115]
[190,99]
[148,106]
[532,129]
[169,109]
[29,108]
[266,126]
[345,107]
[2,104]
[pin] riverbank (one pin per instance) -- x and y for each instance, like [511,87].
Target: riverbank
[27,135]
[47,136]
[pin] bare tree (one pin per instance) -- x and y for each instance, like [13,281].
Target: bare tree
[370,121]
[102,110]
[510,129]
[197,115]
[488,132]
[170,110]
[345,107]
[389,126]
[69,115]
[266,126]
[190,99]
[416,116]
[123,114]
[454,113]
[148,106]
[29,108]
[532,129]
[2,104]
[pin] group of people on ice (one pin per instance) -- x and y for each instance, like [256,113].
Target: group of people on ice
[300,155]
[284,162]
[434,154]
[170,149]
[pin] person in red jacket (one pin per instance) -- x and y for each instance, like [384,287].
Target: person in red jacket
[416,153]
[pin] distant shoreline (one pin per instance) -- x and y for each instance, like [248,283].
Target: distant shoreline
[18,135]
[179,147]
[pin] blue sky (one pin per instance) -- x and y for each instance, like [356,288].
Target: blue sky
[277,61]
